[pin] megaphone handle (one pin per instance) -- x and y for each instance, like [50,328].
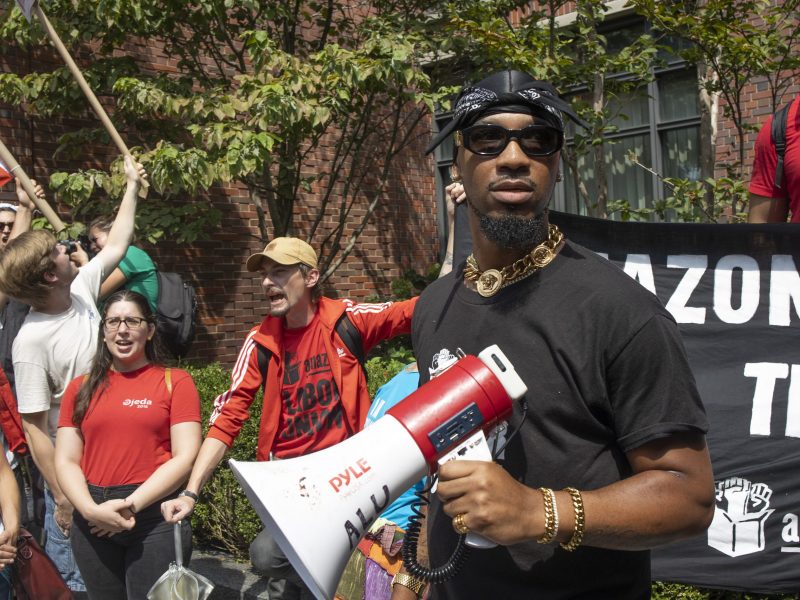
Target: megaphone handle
[478,541]
[178,544]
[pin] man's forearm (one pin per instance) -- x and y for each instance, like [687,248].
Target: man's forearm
[43,452]
[642,512]
[211,453]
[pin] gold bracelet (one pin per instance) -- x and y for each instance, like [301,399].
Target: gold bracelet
[409,581]
[550,516]
[580,520]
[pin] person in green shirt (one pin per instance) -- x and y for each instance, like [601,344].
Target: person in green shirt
[135,272]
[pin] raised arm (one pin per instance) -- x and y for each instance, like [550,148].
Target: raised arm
[121,234]
[22,222]
[455,195]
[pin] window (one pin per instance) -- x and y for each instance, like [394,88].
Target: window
[659,124]
[444,155]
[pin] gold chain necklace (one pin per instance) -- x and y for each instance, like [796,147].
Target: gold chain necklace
[491,281]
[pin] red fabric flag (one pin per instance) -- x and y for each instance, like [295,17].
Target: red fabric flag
[5,174]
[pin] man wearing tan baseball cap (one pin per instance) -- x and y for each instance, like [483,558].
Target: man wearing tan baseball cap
[308,354]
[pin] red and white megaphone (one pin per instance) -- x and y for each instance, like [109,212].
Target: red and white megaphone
[317,507]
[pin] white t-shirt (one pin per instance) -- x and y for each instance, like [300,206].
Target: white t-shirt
[51,350]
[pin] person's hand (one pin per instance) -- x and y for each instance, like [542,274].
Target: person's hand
[134,172]
[455,195]
[177,509]
[8,546]
[110,517]
[79,257]
[63,516]
[493,503]
[22,195]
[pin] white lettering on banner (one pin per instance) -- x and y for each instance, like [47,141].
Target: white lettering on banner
[766,374]
[639,267]
[789,532]
[784,287]
[695,266]
[793,406]
[723,288]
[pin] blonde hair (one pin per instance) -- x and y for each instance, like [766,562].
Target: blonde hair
[23,264]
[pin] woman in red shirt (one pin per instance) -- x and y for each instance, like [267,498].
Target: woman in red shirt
[128,434]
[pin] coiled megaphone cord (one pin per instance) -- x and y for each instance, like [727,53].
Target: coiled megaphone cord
[461,551]
[411,540]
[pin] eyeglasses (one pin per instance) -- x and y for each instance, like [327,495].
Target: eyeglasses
[491,140]
[8,226]
[113,323]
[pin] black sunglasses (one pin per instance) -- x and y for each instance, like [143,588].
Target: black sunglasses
[491,140]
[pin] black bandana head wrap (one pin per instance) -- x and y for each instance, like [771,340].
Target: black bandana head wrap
[507,91]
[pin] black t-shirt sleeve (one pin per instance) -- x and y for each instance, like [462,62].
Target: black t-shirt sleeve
[651,387]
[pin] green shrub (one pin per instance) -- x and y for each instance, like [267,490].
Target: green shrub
[677,591]
[224,518]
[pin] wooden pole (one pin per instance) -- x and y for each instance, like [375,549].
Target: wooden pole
[87,91]
[27,185]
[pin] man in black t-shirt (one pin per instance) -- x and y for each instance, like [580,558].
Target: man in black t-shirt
[609,458]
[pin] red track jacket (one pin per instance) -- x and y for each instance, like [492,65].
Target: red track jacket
[375,322]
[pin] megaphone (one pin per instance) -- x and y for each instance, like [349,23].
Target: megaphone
[317,507]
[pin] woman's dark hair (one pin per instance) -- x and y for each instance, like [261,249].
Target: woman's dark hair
[98,374]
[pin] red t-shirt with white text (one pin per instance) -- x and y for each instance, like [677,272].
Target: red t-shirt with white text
[312,416]
[126,431]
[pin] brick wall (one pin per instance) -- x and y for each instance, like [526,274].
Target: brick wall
[401,234]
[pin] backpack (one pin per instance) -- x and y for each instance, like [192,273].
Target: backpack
[778,132]
[176,312]
[344,328]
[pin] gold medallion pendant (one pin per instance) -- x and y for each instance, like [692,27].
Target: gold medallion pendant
[491,281]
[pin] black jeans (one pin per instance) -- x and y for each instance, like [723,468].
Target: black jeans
[268,559]
[127,564]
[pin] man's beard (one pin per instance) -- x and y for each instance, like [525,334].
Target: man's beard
[511,231]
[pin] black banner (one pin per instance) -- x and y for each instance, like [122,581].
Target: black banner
[735,292]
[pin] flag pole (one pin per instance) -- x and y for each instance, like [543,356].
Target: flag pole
[87,91]
[27,185]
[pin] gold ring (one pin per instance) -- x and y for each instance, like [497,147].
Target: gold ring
[459,525]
